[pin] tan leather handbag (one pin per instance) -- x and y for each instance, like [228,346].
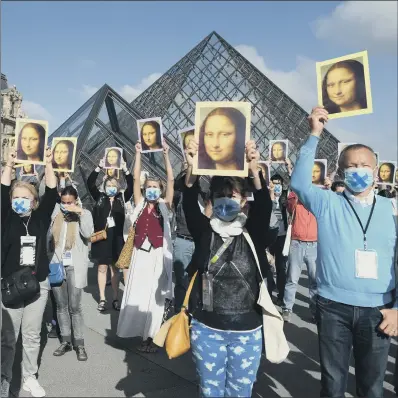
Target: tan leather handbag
[174,333]
[124,259]
[98,236]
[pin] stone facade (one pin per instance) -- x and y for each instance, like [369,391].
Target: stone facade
[11,102]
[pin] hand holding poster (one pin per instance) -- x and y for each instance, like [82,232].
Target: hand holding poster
[222,130]
[344,85]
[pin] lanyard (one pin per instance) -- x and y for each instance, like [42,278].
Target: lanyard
[364,230]
[220,251]
[26,225]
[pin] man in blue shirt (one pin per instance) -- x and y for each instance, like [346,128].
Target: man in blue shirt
[357,304]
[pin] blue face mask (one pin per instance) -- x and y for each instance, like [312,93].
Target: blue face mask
[152,194]
[226,209]
[358,179]
[111,191]
[278,189]
[21,206]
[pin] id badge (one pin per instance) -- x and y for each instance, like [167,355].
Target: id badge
[366,264]
[111,222]
[28,251]
[207,292]
[67,258]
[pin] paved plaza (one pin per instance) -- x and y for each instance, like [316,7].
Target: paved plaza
[115,369]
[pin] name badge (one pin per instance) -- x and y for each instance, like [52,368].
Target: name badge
[67,258]
[111,222]
[366,264]
[27,255]
[207,292]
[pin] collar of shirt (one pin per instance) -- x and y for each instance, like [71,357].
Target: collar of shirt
[364,202]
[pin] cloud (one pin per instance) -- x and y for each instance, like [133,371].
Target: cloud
[35,111]
[85,92]
[130,92]
[370,25]
[299,83]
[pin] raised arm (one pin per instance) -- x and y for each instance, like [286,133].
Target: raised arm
[313,198]
[137,174]
[128,193]
[92,181]
[6,178]
[50,197]
[170,176]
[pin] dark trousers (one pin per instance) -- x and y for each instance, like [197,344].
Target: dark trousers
[344,327]
[280,264]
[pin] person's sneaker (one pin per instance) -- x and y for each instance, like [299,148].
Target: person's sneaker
[286,315]
[5,388]
[81,353]
[32,385]
[63,349]
[53,333]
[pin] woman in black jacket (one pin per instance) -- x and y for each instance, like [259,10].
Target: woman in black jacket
[109,213]
[226,333]
[24,219]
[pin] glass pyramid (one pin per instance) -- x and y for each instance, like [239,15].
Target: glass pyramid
[211,71]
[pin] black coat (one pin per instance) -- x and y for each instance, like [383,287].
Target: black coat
[108,250]
[257,225]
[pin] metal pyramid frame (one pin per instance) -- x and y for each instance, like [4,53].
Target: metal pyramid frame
[215,71]
[212,71]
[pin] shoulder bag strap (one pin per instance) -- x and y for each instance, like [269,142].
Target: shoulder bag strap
[188,293]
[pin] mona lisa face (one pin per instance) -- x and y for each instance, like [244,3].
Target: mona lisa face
[277,151]
[220,139]
[385,173]
[112,157]
[316,174]
[341,87]
[61,155]
[149,136]
[30,142]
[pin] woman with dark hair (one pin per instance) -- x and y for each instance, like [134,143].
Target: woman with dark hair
[109,213]
[151,138]
[149,282]
[31,142]
[222,140]
[386,173]
[68,240]
[278,152]
[113,158]
[63,155]
[226,332]
[343,87]
[318,173]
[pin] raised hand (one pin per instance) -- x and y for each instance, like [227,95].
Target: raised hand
[252,156]
[11,158]
[138,147]
[49,155]
[317,120]
[166,149]
[327,183]
[191,151]
[101,163]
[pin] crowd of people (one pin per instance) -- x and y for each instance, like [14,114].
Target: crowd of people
[344,231]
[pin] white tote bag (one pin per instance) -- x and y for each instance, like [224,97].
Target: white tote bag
[288,240]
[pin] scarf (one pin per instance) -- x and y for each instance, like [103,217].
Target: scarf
[70,232]
[228,229]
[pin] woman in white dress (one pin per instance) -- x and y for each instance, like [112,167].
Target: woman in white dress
[149,281]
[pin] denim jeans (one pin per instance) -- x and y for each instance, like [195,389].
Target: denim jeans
[226,361]
[183,251]
[342,327]
[68,299]
[27,318]
[276,250]
[300,253]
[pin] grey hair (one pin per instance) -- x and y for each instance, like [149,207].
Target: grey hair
[353,147]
